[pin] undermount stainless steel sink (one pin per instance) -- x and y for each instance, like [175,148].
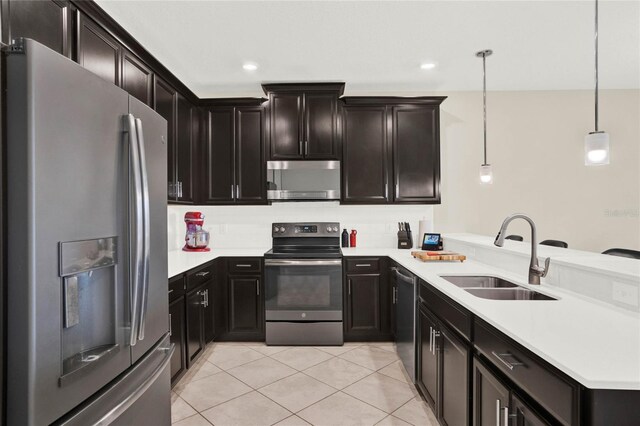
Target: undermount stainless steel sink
[482,281]
[508,294]
[494,288]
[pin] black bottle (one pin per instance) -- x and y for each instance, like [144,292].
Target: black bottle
[345,238]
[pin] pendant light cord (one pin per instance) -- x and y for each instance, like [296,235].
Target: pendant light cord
[596,69]
[484,103]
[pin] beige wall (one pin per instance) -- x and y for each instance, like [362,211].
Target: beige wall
[536,147]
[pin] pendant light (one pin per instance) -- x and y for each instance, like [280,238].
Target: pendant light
[486,174]
[596,143]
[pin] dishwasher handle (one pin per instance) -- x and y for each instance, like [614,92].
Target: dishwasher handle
[404,277]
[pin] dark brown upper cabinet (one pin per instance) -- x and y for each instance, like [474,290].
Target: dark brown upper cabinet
[234,154]
[416,154]
[48,22]
[165,104]
[391,150]
[187,137]
[137,78]
[98,51]
[304,121]
[366,155]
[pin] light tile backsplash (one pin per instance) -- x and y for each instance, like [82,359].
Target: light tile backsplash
[250,226]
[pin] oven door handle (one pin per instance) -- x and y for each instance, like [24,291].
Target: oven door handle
[283,262]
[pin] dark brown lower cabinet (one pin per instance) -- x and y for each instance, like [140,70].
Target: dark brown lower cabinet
[195,301]
[490,397]
[523,415]
[428,358]
[363,305]
[443,369]
[177,331]
[246,307]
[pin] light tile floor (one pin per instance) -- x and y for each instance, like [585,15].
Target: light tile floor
[251,384]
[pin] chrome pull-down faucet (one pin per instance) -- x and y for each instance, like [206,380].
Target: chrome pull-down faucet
[535,271]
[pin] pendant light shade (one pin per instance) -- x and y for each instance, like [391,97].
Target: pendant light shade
[596,149]
[596,144]
[486,174]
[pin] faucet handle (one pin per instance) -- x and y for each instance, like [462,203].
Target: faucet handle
[546,267]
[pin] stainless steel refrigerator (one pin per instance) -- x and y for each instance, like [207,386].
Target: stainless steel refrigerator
[87,314]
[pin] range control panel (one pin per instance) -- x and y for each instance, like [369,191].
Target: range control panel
[317,229]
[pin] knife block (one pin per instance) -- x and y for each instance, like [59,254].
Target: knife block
[405,240]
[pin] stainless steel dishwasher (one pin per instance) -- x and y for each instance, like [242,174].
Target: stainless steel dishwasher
[406,319]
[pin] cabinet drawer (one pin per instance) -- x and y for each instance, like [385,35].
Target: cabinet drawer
[200,276]
[176,287]
[241,265]
[542,384]
[456,317]
[363,265]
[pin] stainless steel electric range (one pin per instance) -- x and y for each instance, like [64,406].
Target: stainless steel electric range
[303,285]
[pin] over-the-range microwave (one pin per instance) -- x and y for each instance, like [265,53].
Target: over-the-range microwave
[303,180]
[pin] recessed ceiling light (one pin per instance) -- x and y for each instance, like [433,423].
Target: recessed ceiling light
[250,67]
[427,66]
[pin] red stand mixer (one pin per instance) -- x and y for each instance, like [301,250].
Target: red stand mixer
[196,238]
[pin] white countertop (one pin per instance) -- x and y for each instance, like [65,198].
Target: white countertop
[596,345]
[182,261]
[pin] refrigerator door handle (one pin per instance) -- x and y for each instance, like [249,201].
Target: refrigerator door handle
[144,296]
[135,235]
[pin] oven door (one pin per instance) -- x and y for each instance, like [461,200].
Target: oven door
[303,289]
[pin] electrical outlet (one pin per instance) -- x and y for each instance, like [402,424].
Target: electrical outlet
[625,293]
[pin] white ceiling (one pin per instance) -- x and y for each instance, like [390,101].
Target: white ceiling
[377,47]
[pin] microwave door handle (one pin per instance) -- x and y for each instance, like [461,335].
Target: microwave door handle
[144,295]
[136,224]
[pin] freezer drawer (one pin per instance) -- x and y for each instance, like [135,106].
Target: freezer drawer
[140,396]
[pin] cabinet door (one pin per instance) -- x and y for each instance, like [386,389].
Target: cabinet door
[454,395]
[286,126]
[365,155]
[48,22]
[321,126]
[363,305]
[165,105]
[177,328]
[98,51]
[250,171]
[137,78]
[245,308]
[524,415]
[416,154]
[184,151]
[428,357]
[219,162]
[208,312]
[195,332]
[490,397]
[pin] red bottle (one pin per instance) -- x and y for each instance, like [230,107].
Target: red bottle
[352,238]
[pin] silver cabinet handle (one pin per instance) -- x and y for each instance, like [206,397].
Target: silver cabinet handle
[170,330]
[202,274]
[349,287]
[386,190]
[237,191]
[498,408]
[258,287]
[505,411]
[363,265]
[395,295]
[436,334]
[509,365]
[397,190]
[180,189]
[306,148]
[431,339]
[300,151]
[170,291]
[206,298]
[243,265]
[232,191]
